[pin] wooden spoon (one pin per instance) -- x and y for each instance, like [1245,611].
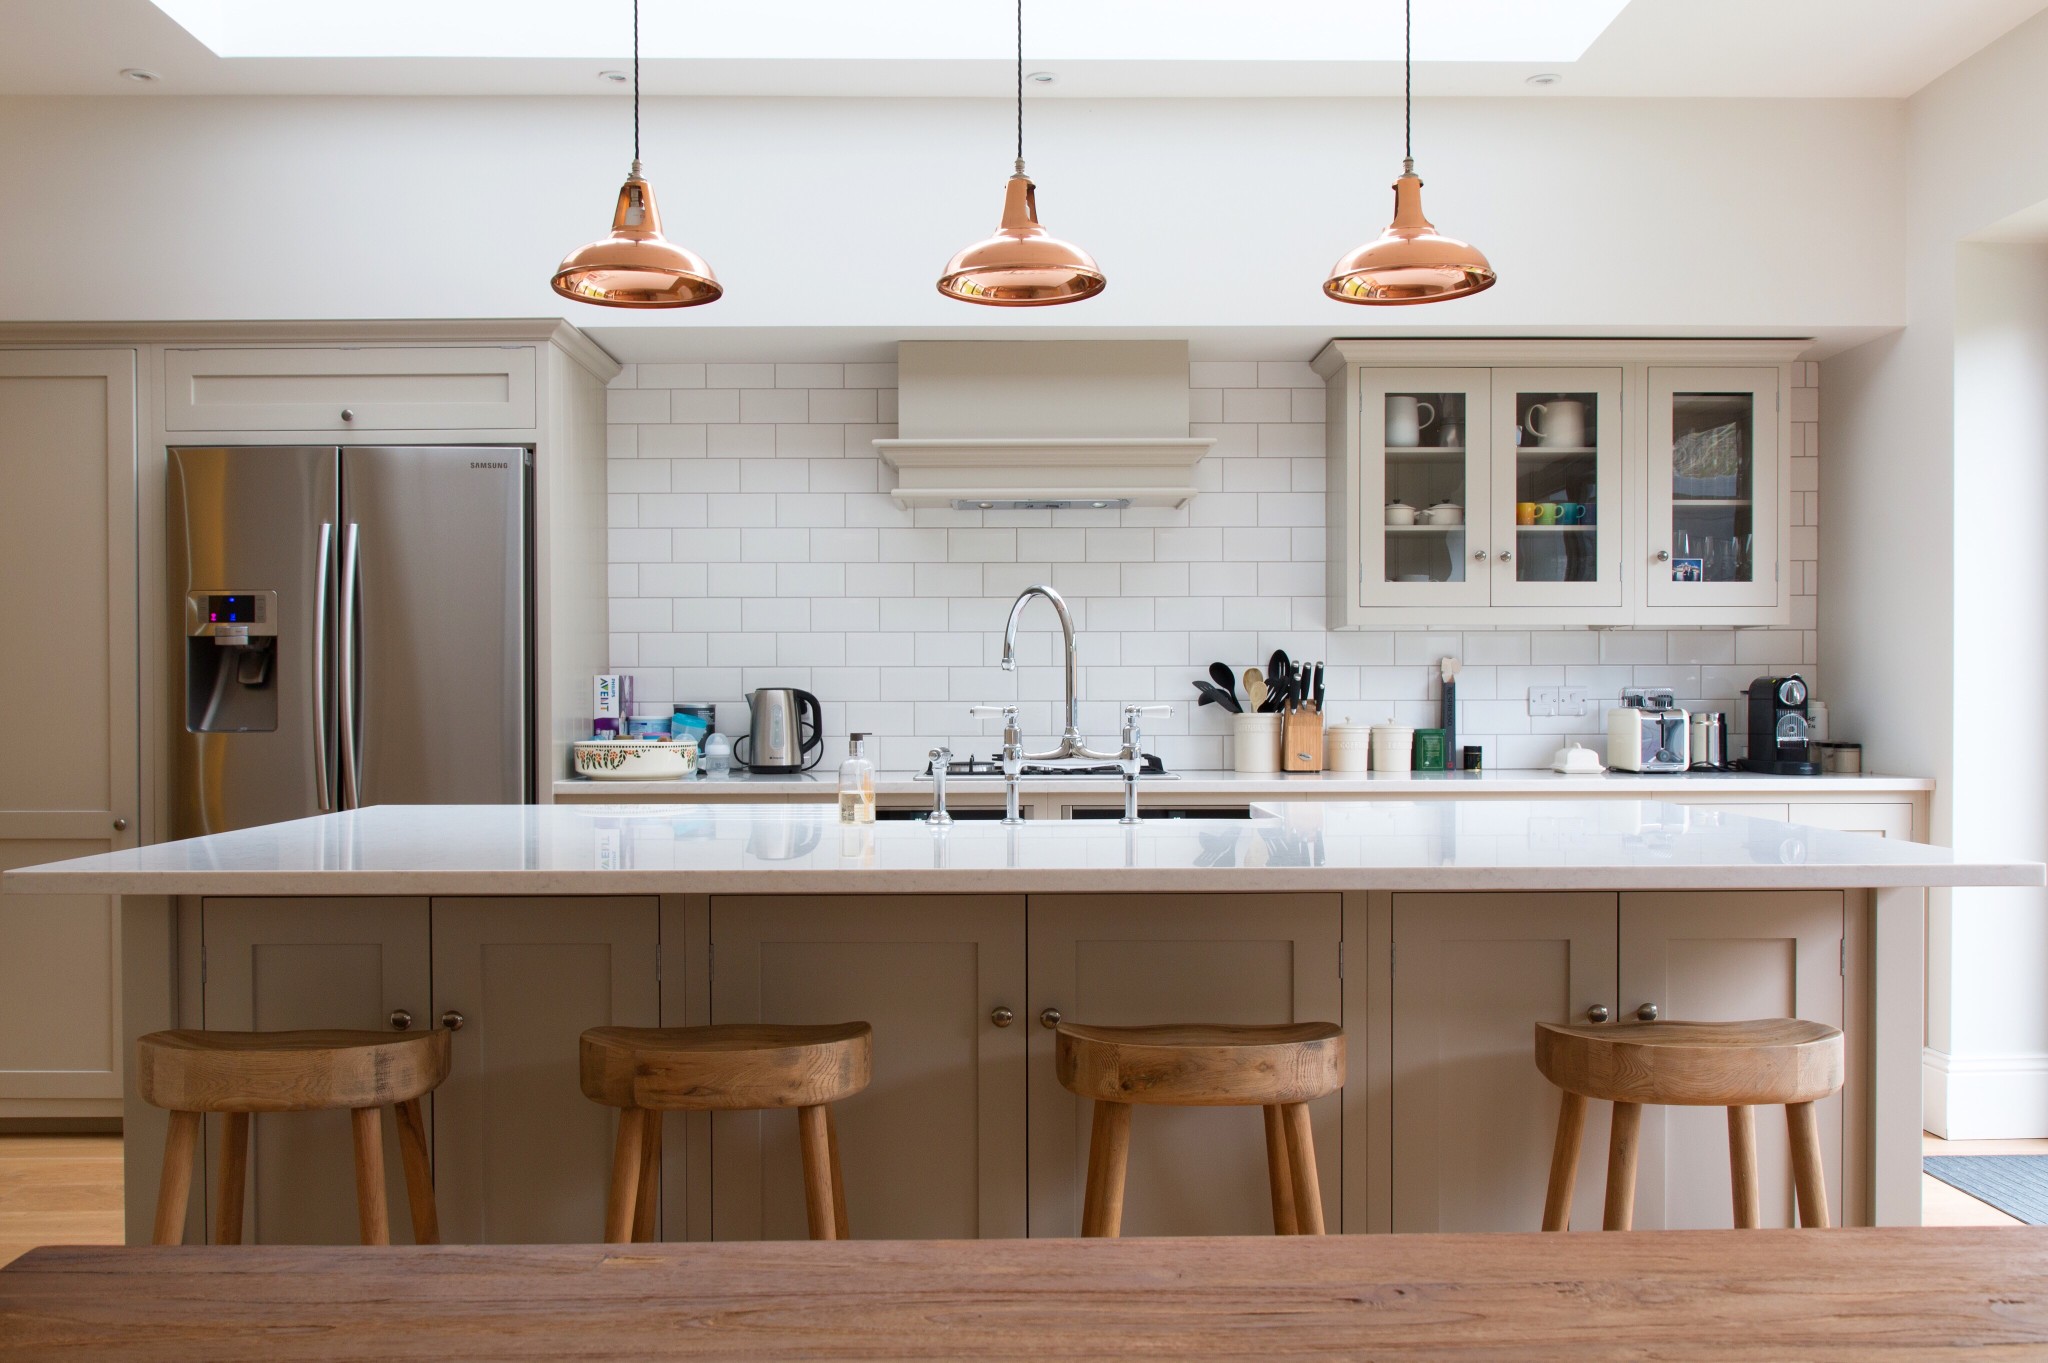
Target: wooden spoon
[1255,689]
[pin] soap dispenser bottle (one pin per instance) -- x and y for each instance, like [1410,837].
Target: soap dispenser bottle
[856,783]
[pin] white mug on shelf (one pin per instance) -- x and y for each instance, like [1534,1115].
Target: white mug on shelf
[1563,423]
[1405,420]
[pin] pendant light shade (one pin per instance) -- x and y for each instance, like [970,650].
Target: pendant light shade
[1411,262]
[636,266]
[1022,265]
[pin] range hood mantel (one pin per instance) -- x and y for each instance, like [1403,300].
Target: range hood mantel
[1043,423]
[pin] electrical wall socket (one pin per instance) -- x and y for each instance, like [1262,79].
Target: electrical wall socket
[1543,700]
[1574,700]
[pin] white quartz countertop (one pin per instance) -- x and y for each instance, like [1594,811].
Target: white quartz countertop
[1447,844]
[823,785]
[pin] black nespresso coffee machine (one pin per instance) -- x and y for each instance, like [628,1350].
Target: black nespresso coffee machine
[1780,734]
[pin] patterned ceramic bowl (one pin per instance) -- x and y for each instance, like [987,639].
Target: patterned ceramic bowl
[632,759]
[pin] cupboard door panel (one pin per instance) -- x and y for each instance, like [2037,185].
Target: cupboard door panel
[1557,496]
[382,388]
[522,1156]
[1718,490]
[1129,960]
[1474,1120]
[1422,440]
[1707,957]
[934,1146]
[288,964]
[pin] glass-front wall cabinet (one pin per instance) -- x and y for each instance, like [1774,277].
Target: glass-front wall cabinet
[1714,487]
[1490,487]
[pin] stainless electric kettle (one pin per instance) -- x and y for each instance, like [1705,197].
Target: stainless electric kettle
[788,731]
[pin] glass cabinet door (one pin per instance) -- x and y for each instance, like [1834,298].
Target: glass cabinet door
[1714,494]
[1556,487]
[1422,513]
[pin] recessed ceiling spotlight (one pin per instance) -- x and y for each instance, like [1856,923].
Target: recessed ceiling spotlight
[1544,78]
[1041,78]
[136,73]
[615,77]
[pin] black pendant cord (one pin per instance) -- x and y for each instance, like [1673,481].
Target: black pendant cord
[636,82]
[1407,79]
[1020,84]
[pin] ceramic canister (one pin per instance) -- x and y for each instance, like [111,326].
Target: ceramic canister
[1347,747]
[1393,747]
[1257,742]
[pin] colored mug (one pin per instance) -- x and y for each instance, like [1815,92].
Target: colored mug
[1525,513]
[1571,513]
[1546,513]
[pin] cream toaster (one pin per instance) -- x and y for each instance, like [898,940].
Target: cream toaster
[1649,732]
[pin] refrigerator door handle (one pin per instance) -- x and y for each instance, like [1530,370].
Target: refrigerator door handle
[321,724]
[345,669]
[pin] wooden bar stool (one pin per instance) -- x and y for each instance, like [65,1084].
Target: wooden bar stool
[1736,1065]
[240,1073]
[646,1071]
[1278,1067]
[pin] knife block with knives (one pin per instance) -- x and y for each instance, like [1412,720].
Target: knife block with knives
[1301,724]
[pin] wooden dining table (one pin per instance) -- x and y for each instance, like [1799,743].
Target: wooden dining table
[1904,1293]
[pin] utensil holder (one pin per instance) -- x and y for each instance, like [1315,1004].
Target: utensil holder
[1256,741]
[1301,741]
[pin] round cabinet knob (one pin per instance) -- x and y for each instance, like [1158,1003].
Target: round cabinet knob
[1506,555]
[120,824]
[1002,1017]
[453,1020]
[1480,556]
[348,414]
[1049,1018]
[401,1020]
[1597,1013]
[1647,1013]
[1663,556]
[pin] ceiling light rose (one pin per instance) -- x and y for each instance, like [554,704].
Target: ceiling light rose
[1022,265]
[1411,262]
[636,266]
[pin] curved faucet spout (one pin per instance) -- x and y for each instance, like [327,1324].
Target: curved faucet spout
[1070,741]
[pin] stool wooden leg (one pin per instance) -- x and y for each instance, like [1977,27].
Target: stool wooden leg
[817,1147]
[1278,1179]
[620,1203]
[838,1178]
[1808,1177]
[419,1172]
[1564,1162]
[1301,1163]
[1742,1167]
[234,1177]
[1622,1147]
[176,1189]
[648,1200]
[1109,1153]
[370,1211]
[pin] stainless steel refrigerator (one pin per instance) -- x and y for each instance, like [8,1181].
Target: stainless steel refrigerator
[352,627]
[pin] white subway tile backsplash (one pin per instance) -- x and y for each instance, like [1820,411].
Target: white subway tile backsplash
[751,544]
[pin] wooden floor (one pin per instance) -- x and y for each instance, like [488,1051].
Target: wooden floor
[66,1190]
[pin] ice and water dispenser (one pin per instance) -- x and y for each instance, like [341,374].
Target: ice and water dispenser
[231,662]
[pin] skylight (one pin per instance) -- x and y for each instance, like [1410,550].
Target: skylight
[1552,31]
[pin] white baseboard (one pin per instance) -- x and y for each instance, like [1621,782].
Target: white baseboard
[1978,1098]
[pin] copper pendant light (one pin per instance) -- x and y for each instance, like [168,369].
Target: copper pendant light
[1022,265]
[636,266]
[1411,262]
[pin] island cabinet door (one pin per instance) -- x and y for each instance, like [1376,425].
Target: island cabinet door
[289,964]
[1713,957]
[933,1148]
[520,1155]
[1134,959]
[1474,1121]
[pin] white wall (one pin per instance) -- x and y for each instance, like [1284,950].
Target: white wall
[1934,592]
[1679,215]
[752,546]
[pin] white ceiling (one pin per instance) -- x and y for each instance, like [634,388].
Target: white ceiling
[1751,48]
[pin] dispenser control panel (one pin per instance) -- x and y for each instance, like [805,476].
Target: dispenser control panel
[230,613]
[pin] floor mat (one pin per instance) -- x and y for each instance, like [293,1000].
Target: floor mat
[2015,1184]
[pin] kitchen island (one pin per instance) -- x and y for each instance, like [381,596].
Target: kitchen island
[1436,932]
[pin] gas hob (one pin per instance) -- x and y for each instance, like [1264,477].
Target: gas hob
[989,766]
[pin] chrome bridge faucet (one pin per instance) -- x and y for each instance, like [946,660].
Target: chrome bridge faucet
[1071,742]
